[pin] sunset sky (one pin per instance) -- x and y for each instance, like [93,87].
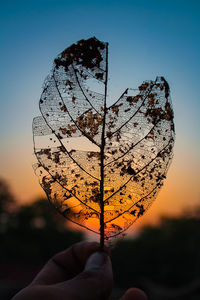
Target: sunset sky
[146,39]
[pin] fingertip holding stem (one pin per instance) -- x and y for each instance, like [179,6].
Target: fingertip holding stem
[134,294]
[96,260]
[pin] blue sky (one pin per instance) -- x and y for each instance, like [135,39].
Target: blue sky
[146,39]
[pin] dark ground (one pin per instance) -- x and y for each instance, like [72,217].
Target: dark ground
[164,260]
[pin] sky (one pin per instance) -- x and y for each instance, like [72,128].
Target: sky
[146,39]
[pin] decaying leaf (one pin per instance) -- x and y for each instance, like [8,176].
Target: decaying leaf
[101,167]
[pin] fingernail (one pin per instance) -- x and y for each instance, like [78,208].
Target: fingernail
[96,260]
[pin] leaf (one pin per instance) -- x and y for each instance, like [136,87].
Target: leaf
[101,167]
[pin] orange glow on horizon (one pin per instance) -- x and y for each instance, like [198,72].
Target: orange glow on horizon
[180,190]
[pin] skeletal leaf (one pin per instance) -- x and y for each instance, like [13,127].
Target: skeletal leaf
[101,167]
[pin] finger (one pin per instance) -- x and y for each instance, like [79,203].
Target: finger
[134,294]
[66,264]
[95,282]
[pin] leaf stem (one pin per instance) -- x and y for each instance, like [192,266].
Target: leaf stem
[102,160]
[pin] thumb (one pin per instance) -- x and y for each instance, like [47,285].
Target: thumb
[134,294]
[95,282]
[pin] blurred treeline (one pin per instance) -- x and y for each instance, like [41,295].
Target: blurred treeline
[32,232]
[29,235]
[164,260]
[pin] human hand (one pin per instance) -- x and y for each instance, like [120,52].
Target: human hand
[78,273]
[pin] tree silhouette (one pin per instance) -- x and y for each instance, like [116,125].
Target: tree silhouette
[31,232]
[7,205]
